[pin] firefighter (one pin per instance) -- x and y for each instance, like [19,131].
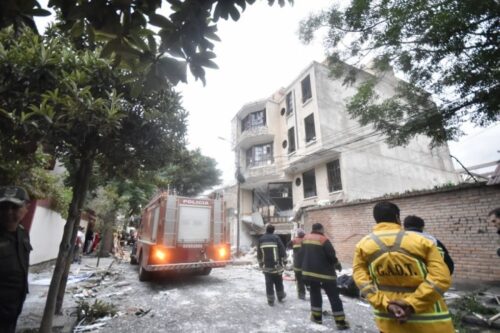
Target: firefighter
[417,224]
[318,271]
[271,256]
[403,276]
[296,244]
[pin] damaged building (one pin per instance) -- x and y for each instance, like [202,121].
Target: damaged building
[300,148]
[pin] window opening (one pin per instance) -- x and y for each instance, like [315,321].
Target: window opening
[289,103]
[260,155]
[309,178]
[334,179]
[254,119]
[291,139]
[306,89]
[309,127]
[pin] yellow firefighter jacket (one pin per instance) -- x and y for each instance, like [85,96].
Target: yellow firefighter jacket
[391,264]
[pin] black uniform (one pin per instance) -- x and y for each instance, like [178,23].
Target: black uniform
[318,270]
[15,248]
[271,255]
[296,245]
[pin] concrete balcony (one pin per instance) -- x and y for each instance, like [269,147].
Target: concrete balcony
[254,136]
[261,174]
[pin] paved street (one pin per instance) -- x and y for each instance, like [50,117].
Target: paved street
[230,299]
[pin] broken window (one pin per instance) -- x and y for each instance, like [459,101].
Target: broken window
[334,180]
[309,178]
[254,119]
[281,196]
[289,103]
[309,127]
[260,155]
[291,140]
[306,89]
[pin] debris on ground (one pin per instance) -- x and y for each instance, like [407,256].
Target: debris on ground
[140,312]
[471,310]
[93,316]
[346,286]
[92,327]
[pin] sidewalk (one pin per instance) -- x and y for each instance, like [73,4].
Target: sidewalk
[80,274]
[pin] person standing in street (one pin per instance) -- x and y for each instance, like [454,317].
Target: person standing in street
[403,276]
[296,245]
[319,263]
[15,249]
[494,218]
[271,257]
[417,224]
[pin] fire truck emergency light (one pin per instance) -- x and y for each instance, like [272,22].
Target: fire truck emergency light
[222,252]
[159,254]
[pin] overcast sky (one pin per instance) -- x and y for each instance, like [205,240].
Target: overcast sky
[259,54]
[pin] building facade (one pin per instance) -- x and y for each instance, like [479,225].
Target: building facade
[300,148]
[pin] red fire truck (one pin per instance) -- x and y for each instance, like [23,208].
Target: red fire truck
[183,235]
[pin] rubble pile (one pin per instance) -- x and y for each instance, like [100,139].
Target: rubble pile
[480,309]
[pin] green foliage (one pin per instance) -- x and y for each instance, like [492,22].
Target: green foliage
[34,177]
[106,203]
[470,304]
[466,305]
[91,312]
[191,175]
[82,107]
[447,48]
[137,36]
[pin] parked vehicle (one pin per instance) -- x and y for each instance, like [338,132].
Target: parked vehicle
[183,235]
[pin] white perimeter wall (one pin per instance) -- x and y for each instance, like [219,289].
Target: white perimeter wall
[45,235]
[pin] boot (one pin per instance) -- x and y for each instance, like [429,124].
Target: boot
[270,300]
[342,324]
[316,318]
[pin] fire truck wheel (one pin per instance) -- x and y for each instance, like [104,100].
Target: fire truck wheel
[133,260]
[206,271]
[144,275]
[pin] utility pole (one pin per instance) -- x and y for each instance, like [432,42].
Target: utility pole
[238,199]
[238,176]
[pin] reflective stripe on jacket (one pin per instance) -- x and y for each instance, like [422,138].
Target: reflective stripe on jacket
[391,264]
[296,245]
[271,253]
[318,258]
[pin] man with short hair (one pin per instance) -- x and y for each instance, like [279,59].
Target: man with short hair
[403,276]
[319,263]
[15,249]
[417,224]
[494,217]
[271,256]
[296,244]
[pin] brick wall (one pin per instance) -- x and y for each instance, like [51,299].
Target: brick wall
[456,216]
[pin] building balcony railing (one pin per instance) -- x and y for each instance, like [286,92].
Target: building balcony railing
[258,174]
[254,135]
[262,162]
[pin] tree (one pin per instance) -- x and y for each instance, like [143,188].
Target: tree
[191,175]
[186,34]
[32,173]
[446,49]
[83,108]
